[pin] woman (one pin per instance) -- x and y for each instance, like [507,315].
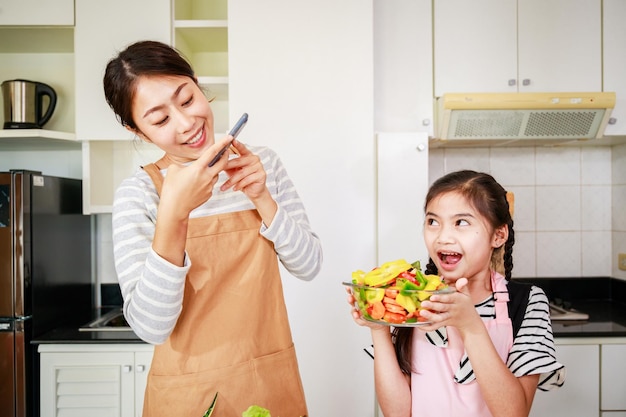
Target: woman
[196,248]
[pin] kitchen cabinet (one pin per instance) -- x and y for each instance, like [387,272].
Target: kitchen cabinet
[102,29]
[614,55]
[517,46]
[37,12]
[579,396]
[613,383]
[94,379]
[201,34]
[403,66]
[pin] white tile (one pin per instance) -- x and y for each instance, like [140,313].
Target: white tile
[558,166]
[558,208]
[595,165]
[596,254]
[513,166]
[619,208]
[524,208]
[476,159]
[524,254]
[104,227]
[558,254]
[105,263]
[618,164]
[596,207]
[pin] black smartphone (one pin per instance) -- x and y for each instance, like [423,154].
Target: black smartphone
[234,132]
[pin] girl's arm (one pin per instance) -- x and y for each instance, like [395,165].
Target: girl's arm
[393,388]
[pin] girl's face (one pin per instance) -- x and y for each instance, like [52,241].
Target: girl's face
[459,239]
[173,113]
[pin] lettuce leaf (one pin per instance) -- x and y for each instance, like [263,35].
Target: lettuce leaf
[256,411]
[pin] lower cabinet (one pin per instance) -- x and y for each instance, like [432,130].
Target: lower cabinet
[594,383]
[106,380]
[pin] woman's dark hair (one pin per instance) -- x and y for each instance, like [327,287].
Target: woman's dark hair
[490,200]
[143,58]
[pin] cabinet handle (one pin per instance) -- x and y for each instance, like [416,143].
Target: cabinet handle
[512,82]
[421,147]
[612,120]
[426,122]
[526,81]
[141,368]
[127,368]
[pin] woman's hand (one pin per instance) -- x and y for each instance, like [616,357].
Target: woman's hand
[455,309]
[246,174]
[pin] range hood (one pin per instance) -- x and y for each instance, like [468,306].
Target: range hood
[511,118]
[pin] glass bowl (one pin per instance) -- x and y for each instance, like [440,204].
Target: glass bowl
[392,306]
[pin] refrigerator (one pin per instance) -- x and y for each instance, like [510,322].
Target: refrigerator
[45,276]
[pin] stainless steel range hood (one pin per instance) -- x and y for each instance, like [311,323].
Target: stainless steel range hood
[536,118]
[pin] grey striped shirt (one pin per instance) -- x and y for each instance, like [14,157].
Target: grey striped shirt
[153,288]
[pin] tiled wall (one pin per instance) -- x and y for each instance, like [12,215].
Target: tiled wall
[568,219]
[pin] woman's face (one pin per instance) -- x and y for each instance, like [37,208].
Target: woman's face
[459,239]
[173,113]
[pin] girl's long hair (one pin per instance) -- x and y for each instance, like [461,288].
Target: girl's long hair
[490,199]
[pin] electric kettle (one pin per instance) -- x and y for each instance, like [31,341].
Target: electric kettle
[24,104]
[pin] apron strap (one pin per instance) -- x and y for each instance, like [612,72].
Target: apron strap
[155,173]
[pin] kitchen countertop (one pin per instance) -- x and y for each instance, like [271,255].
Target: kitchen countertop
[602,298]
[71,334]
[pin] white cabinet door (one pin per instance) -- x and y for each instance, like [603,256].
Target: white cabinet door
[614,51]
[475,46]
[403,82]
[579,396]
[80,383]
[559,45]
[517,45]
[613,383]
[142,366]
[402,183]
[37,12]
[102,30]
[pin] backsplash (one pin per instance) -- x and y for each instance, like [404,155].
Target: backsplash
[569,207]
[569,217]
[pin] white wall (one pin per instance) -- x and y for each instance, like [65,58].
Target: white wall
[618,203]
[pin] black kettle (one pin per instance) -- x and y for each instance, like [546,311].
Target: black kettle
[24,104]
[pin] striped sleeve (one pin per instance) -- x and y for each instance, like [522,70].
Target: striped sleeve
[533,349]
[153,288]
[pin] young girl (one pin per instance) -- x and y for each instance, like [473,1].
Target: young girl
[471,360]
[196,248]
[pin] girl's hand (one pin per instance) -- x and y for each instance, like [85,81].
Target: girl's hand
[455,309]
[358,318]
[246,173]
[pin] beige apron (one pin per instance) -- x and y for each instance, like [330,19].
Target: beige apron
[233,334]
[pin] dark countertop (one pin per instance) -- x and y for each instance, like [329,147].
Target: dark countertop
[70,334]
[602,298]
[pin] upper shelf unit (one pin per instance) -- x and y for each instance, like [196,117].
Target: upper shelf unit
[200,32]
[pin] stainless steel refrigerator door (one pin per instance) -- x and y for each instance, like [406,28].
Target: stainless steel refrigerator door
[13,368]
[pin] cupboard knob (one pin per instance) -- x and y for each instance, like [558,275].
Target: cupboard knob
[526,81]
[612,120]
[421,147]
[126,368]
[141,368]
[512,82]
[426,122]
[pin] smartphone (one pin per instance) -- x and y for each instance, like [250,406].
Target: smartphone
[234,132]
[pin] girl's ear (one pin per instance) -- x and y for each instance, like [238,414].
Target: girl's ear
[500,236]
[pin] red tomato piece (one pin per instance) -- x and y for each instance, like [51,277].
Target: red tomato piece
[394,318]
